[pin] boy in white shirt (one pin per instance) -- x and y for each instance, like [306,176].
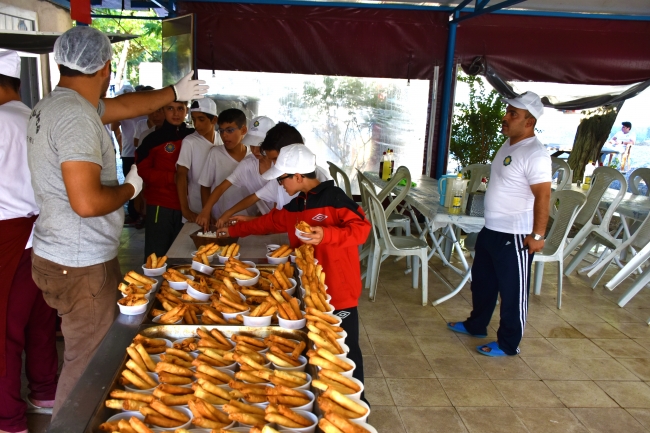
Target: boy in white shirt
[222,160]
[248,174]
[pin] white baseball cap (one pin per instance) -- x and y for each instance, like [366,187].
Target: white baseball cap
[10,64]
[294,158]
[257,129]
[528,101]
[205,105]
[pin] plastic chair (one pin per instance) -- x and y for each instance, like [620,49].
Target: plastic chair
[336,172]
[478,172]
[602,178]
[635,262]
[635,177]
[569,205]
[560,165]
[385,245]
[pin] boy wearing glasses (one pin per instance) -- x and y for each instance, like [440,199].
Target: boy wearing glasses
[222,160]
[338,226]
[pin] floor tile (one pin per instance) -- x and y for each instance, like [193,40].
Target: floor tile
[417,392]
[539,420]
[641,415]
[598,330]
[608,420]
[388,326]
[441,346]
[365,346]
[432,327]
[431,420]
[537,347]
[639,366]
[622,348]
[371,366]
[633,330]
[555,330]
[627,394]
[577,314]
[578,348]
[554,368]
[405,366]
[511,367]
[604,369]
[580,393]
[376,391]
[394,344]
[615,314]
[386,419]
[477,393]
[456,368]
[527,393]
[491,420]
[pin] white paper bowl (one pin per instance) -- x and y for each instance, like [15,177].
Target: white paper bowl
[193,353]
[147,295]
[292,324]
[249,264]
[291,290]
[223,259]
[131,388]
[367,426]
[240,429]
[157,320]
[292,257]
[346,373]
[301,235]
[126,416]
[310,429]
[276,260]
[309,406]
[338,319]
[210,257]
[197,295]
[361,419]
[356,394]
[154,272]
[252,281]
[202,268]
[180,285]
[271,247]
[306,386]
[186,411]
[301,367]
[234,315]
[257,321]
[133,311]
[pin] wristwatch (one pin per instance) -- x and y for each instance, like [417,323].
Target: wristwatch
[537,237]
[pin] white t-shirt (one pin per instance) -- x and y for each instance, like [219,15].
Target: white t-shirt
[274,193]
[623,138]
[128,134]
[193,156]
[247,176]
[218,166]
[140,128]
[509,200]
[16,193]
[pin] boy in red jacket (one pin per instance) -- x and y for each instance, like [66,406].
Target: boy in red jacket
[338,226]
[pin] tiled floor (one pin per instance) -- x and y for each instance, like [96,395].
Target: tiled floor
[584,368]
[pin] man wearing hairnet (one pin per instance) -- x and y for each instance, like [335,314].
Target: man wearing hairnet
[72,161]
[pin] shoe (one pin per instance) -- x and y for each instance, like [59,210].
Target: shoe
[460,328]
[40,407]
[495,350]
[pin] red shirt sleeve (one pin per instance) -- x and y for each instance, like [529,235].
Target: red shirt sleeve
[351,230]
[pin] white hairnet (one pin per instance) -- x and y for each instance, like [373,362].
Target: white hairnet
[83,49]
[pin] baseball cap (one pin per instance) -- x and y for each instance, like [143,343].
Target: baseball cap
[257,129]
[527,101]
[10,64]
[205,105]
[295,158]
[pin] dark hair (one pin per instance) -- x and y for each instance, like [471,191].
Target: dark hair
[68,72]
[209,116]
[627,125]
[232,115]
[528,115]
[311,175]
[281,135]
[10,82]
[140,88]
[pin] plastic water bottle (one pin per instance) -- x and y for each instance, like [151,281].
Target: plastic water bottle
[458,195]
[381,164]
[385,170]
[589,173]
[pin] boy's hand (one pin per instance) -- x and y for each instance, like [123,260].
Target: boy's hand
[315,237]
[223,232]
[203,219]
[189,215]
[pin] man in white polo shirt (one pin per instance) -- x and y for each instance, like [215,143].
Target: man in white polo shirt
[516,213]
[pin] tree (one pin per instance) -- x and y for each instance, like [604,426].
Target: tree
[128,55]
[476,127]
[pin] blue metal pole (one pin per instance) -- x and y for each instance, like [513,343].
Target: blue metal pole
[446,98]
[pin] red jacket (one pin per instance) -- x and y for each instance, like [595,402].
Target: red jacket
[345,227]
[156,160]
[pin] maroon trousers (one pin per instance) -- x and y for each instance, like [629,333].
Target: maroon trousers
[31,327]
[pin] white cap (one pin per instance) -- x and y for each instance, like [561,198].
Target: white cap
[294,158]
[84,49]
[205,105]
[10,64]
[528,101]
[257,129]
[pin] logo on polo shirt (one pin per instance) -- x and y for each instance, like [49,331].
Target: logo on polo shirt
[507,160]
[170,148]
[320,217]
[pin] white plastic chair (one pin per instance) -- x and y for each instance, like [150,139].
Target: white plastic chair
[560,165]
[385,245]
[337,173]
[637,176]
[602,178]
[477,172]
[635,262]
[568,205]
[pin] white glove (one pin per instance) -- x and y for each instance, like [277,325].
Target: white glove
[187,89]
[134,179]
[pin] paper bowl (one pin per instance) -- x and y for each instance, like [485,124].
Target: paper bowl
[338,319]
[180,285]
[361,419]
[233,315]
[223,259]
[210,257]
[202,268]
[193,353]
[126,416]
[310,429]
[154,272]
[292,324]
[276,260]
[157,320]
[306,386]
[292,257]
[301,367]
[301,235]
[147,295]
[249,264]
[186,411]
[132,388]
[197,295]
[250,282]
[133,311]
[356,394]
[345,373]
[257,321]
[271,247]
[309,406]
[367,426]
[291,290]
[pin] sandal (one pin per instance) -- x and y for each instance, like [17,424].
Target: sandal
[460,328]
[495,350]
[32,408]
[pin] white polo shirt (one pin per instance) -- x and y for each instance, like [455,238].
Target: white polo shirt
[16,193]
[509,200]
[217,168]
[247,176]
[193,156]
[274,193]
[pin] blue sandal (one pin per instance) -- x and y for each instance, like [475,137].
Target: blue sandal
[460,328]
[495,350]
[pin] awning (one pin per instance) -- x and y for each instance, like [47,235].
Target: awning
[42,42]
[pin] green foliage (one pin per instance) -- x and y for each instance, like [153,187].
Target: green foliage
[476,128]
[146,48]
